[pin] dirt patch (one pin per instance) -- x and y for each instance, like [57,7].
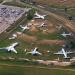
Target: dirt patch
[26,37]
[51,42]
[35,26]
[33,29]
[35,22]
[51,29]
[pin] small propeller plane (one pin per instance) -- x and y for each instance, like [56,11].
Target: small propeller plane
[66,34]
[24,27]
[39,16]
[63,52]
[34,52]
[59,27]
[11,47]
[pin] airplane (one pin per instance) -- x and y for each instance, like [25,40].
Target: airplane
[34,52]
[63,52]
[59,27]
[13,36]
[64,34]
[42,25]
[11,47]
[24,27]
[39,16]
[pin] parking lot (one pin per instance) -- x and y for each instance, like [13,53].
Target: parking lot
[10,14]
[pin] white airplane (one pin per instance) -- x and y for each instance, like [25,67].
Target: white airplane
[64,34]
[39,16]
[13,36]
[24,27]
[59,27]
[42,25]
[11,47]
[63,52]
[34,52]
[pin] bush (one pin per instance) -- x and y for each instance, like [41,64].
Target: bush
[30,14]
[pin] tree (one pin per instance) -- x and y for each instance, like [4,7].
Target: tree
[72,44]
[30,14]
[65,9]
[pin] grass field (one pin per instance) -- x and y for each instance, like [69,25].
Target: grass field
[28,45]
[16,70]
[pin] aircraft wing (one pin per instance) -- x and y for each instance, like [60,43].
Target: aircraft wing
[59,52]
[14,44]
[3,48]
[69,52]
[26,27]
[23,29]
[21,26]
[63,35]
[65,55]
[36,17]
[35,49]
[38,53]
[13,50]
[28,52]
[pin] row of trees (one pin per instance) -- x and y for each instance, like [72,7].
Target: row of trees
[30,14]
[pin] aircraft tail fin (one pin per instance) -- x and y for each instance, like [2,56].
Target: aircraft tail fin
[36,13]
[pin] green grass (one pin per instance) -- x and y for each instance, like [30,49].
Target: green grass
[12,70]
[22,44]
[71,12]
[59,6]
[16,70]
[49,36]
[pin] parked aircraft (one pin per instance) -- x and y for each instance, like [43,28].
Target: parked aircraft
[24,27]
[63,52]
[39,16]
[66,34]
[13,36]
[59,27]
[11,47]
[42,25]
[34,52]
